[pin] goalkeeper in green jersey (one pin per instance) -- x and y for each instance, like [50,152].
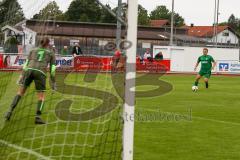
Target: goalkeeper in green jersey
[207,65]
[35,69]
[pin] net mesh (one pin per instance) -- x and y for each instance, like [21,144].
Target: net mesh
[83,116]
[95,138]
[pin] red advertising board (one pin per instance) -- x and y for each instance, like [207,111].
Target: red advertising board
[91,63]
[1,61]
[105,64]
[154,66]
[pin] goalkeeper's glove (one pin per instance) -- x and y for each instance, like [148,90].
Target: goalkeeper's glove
[52,77]
[25,65]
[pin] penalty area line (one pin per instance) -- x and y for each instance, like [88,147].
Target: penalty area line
[42,157]
[194,117]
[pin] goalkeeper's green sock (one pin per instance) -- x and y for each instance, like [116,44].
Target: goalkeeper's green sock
[196,83]
[40,106]
[15,102]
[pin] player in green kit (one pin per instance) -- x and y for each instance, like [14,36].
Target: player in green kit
[35,69]
[207,65]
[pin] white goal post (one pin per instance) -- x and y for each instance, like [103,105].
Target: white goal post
[129,105]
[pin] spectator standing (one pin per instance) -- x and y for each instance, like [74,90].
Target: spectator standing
[76,50]
[147,55]
[64,51]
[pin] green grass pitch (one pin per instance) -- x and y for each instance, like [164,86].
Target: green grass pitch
[180,125]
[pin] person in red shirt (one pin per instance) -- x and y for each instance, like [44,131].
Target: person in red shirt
[118,60]
[117,53]
[116,57]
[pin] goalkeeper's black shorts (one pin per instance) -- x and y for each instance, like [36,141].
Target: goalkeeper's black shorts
[38,77]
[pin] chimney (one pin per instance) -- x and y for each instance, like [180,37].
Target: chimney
[192,25]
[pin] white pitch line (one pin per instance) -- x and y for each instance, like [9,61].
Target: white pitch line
[193,117]
[217,121]
[42,157]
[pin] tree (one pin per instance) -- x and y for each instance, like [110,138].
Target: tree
[178,20]
[223,24]
[106,17]
[50,12]
[161,12]
[143,18]
[11,12]
[82,10]
[233,22]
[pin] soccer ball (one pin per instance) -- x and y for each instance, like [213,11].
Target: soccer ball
[194,88]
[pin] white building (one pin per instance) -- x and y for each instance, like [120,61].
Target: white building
[24,35]
[225,35]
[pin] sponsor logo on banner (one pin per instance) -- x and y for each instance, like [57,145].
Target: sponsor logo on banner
[64,61]
[89,63]
[14,61]
[235,67]
[223,67]
[19,61]
[229,66]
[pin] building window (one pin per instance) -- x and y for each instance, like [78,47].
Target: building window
[73,41]
[52,42]
[226,34]
[146,45]
[103,42]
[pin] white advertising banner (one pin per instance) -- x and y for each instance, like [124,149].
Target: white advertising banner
[14,61]
[228,66]
[65,61]
[17,61]
[183,59]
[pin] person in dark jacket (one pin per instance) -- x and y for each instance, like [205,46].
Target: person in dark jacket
[159,56]
[76,50]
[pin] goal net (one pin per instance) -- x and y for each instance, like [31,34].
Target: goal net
[83,116]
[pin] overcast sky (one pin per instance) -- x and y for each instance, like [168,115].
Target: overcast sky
[199,12]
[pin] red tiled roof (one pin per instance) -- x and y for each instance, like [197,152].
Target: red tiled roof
[159,23]
[204,31]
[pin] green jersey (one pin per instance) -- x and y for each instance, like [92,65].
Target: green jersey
[206,62]
[64,52]
[39,59]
